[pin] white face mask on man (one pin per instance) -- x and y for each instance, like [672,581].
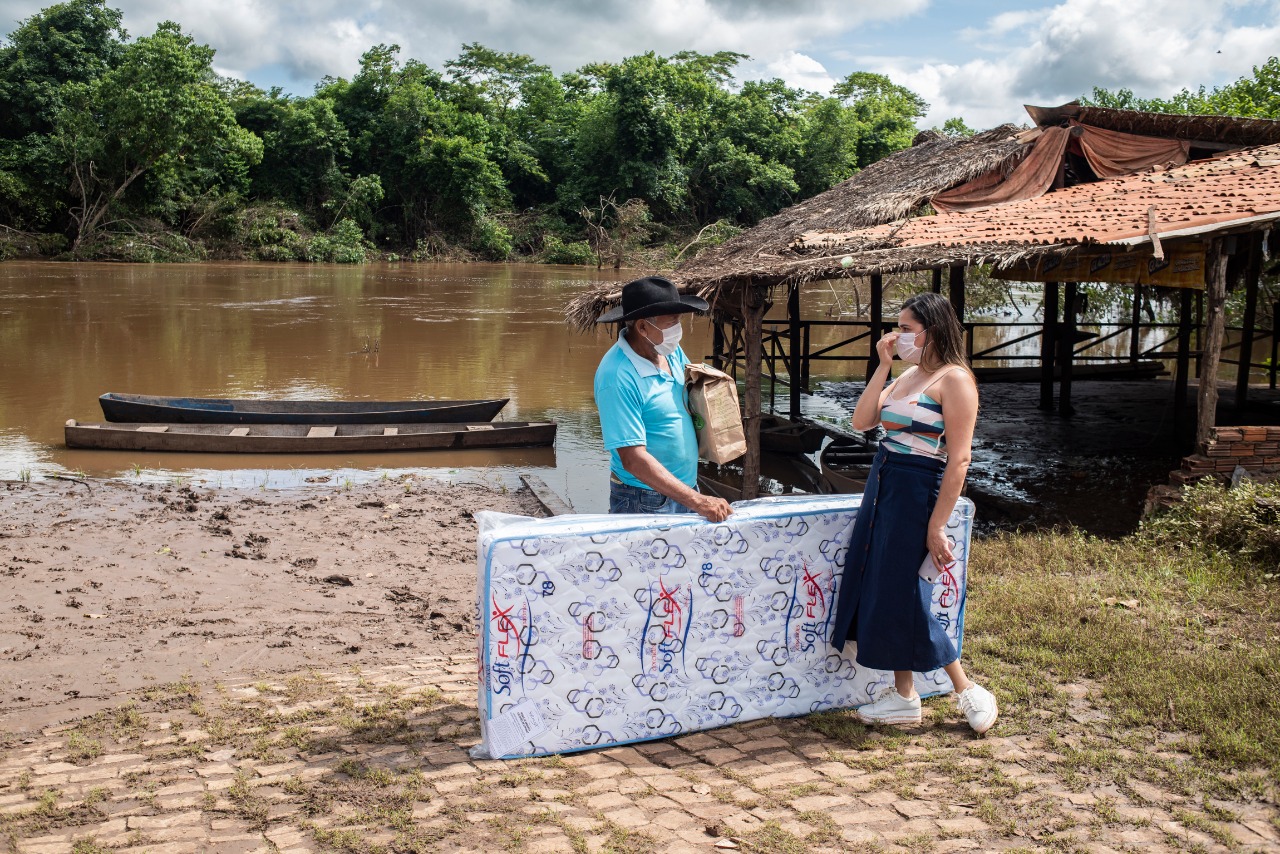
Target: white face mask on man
[670,338]
[906,347]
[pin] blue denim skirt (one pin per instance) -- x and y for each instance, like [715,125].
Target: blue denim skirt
[625,498]
[883,604]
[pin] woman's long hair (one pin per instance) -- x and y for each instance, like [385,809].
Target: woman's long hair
[945,338]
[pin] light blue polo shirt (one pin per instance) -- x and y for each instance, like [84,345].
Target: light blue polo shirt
[640,405]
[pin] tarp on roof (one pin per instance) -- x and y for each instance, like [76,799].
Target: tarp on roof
[1033,177]
[1111,154]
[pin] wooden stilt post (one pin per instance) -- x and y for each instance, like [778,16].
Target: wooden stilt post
[753,299]
[1215,269]
[1252,276]
[1182,373]
[877,322]
[1048,342]
[1134,338]
[794,351]
[937,280]
[956,294]
[1066,349]
[717,343]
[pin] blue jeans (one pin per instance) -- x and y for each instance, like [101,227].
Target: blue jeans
[624,498]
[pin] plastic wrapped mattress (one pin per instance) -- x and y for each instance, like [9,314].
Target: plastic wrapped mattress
[602,630]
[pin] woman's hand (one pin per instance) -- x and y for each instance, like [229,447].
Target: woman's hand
[939,545]
[885,347]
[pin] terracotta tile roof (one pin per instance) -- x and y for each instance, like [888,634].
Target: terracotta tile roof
[1223,189]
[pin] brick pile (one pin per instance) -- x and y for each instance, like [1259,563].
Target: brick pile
[1255,449]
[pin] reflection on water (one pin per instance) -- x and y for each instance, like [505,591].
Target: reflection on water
[70,332]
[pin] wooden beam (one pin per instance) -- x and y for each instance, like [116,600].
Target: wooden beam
[877,322]
[794,350]
[956,288]
[1183,370]
[1252,278]
[1215,329]
[1066,349]
[1048,341]
[552,503]
[937,280]
[1134,338]
[753,300]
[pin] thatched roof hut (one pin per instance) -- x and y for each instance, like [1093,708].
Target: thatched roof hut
[1139,177]
[1204,132]
[886,191]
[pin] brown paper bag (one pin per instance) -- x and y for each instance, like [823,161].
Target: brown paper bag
[713,402]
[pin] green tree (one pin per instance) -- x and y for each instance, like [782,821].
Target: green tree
[434,158]
[304,145]
[885,113]
[160,114]
[1254,96]
[73,42]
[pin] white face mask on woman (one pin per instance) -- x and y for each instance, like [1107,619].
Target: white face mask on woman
[670,338]
[907,349]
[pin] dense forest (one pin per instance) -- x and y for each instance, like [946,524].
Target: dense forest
[112,147]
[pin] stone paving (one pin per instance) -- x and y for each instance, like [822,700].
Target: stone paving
[377,761]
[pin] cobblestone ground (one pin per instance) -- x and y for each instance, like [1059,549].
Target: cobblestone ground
[377,761]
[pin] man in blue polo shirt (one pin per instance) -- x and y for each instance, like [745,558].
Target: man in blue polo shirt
[644,407]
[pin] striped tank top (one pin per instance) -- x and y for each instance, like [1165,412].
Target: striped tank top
[914,425]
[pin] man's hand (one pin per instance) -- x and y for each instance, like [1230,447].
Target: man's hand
[711,508]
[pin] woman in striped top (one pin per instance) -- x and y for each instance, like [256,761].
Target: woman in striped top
[929,414]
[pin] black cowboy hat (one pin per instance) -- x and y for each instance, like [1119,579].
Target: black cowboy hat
[650,297]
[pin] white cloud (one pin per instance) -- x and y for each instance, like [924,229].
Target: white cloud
[307,40]
[801,72]
[1155,47]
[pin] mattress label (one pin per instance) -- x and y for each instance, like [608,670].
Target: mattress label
[512,728]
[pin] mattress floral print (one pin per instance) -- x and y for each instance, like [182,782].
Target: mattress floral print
[605,630]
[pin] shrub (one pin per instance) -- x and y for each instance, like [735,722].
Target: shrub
[344,244]
[144,246]
[556,251]
[491,238]
[270,233]
[1240,524]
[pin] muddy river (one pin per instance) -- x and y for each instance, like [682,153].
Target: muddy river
[70,332]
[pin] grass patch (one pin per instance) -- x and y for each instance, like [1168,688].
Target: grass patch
[81,748]
[1045,612]
[770,838]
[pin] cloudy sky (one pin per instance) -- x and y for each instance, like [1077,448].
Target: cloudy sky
[979,59]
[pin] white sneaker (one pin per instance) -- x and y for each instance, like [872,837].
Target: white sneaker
[979,706]
[890,707]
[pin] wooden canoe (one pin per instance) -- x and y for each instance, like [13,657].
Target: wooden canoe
[845,467]
[307,439]
[145,409]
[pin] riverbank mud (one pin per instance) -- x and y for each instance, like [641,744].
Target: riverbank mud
[114,587]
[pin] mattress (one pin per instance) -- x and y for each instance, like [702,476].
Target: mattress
[600,630]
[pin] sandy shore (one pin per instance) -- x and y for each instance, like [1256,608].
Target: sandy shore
[112,587]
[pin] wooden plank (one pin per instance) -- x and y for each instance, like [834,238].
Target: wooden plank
[153,428]
[550,501]
[322,432]
[239,431]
